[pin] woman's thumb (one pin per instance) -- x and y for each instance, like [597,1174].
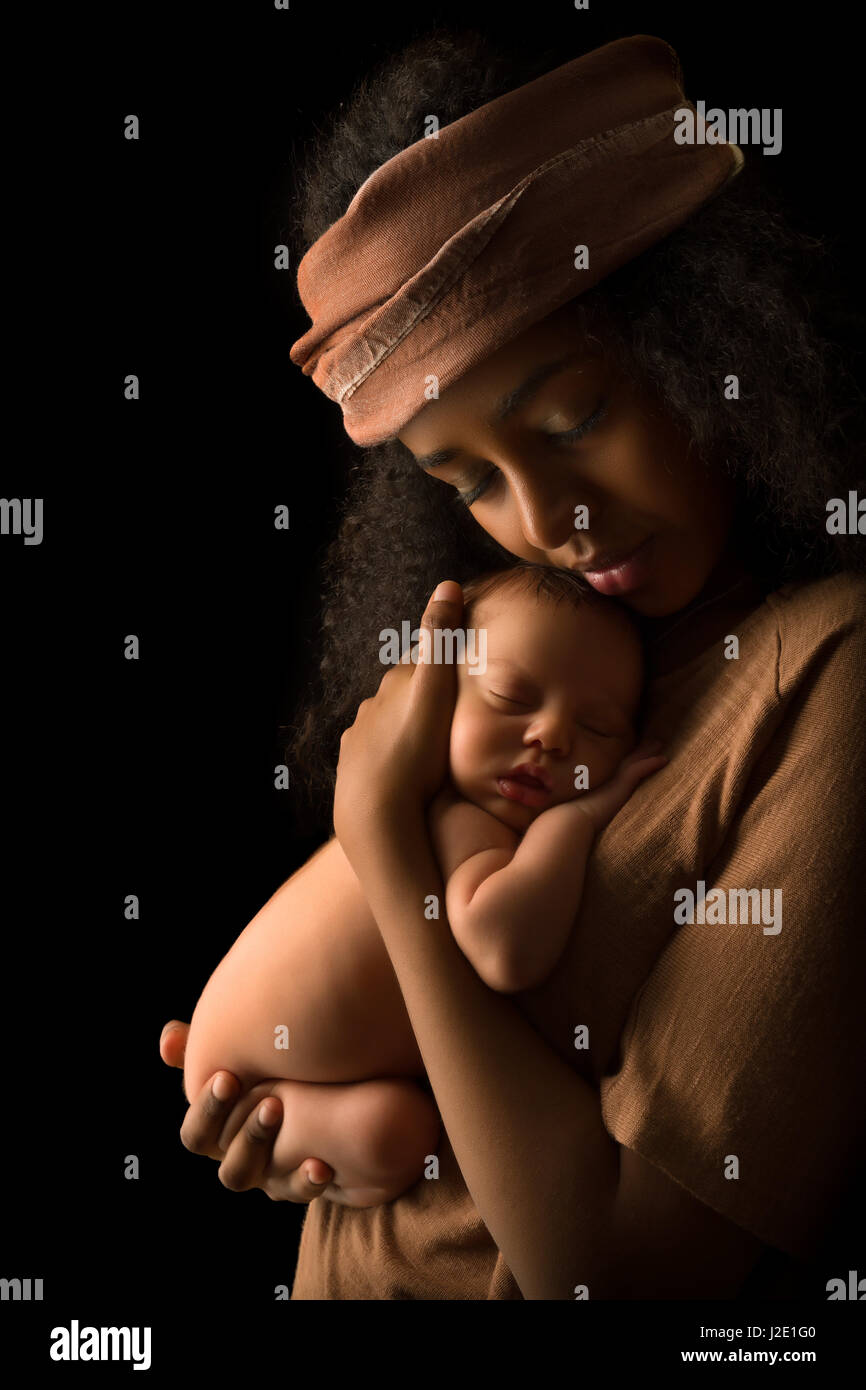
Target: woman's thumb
[445,610]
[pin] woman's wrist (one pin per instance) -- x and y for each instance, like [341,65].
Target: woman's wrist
[388,825]
[389,836]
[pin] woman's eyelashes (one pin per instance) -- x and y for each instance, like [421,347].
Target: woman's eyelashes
[563,437]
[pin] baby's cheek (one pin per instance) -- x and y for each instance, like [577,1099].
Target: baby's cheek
[601,763]
[463,751]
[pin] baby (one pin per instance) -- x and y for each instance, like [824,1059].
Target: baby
[307,997]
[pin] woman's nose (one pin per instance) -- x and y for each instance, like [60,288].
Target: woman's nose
[546,495]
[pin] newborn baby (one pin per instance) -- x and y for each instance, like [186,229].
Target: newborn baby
[307,994]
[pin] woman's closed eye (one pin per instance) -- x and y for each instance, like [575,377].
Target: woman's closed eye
[491,478]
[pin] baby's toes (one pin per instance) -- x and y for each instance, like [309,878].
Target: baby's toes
[318,1172]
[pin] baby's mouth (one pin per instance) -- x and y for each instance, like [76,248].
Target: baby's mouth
[533,774]
[529,787]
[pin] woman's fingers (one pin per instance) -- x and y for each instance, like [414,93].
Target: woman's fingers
[445,611]
[445,608]
[214,1127]
[251,1150]
[204,1120]
[172,1042]
[250,1154]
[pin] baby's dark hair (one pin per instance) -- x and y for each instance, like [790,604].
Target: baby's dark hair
[736,289]
[548,584]
[544,582]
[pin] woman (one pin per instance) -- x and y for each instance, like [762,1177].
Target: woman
[674,1113]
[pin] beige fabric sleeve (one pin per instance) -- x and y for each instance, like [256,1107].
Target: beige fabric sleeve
[748,1044]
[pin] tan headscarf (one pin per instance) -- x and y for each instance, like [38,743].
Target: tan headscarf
[461,241]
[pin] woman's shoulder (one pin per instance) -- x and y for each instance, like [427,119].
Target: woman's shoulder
[821,624]
[834,601]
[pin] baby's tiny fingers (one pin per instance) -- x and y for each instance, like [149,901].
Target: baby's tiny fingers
[647,748]
[640,768]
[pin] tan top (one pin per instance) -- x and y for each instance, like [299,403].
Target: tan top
[706,1040]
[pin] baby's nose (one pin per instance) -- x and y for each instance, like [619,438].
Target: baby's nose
[553,735]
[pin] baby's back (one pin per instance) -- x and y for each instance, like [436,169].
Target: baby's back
[311,966]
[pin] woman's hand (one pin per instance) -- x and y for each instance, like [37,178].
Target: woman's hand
[239,1131]
[394,758]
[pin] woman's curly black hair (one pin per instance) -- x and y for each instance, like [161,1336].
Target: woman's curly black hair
[736,290]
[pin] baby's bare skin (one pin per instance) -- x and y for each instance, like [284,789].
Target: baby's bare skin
[312,962]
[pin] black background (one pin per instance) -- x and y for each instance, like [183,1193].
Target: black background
[155,777]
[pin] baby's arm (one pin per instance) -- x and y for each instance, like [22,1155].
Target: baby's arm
[512,902]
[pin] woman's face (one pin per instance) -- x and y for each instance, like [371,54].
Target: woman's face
[531,440]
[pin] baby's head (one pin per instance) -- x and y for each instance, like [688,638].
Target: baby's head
[561,689]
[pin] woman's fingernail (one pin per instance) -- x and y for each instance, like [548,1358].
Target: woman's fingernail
[266,1116]
[440,592]
[222,1087]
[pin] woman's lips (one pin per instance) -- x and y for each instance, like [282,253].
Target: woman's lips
[623,575]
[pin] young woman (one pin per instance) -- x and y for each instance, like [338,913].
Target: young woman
[676,1111]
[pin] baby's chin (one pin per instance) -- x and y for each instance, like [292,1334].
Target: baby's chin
[486,798]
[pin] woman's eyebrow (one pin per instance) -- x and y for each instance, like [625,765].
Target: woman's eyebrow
[507,404]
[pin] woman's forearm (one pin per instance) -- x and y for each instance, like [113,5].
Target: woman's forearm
[526,1130]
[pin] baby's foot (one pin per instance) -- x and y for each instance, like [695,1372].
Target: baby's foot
[375,1136]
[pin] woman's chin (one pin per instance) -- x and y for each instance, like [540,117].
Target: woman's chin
[659,601]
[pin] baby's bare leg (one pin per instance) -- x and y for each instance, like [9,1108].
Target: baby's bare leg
[376,1135]
[306,993]
[307,997]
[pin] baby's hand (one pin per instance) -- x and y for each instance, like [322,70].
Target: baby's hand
[602,805]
